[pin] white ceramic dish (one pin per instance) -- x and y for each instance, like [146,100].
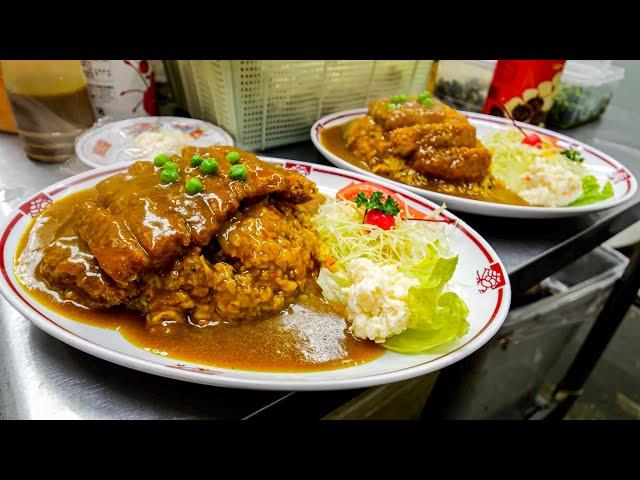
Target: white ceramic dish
[112,143]
[488,301]
[599,164]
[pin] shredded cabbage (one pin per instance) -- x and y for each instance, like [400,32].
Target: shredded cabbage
[421,248]
[346,237]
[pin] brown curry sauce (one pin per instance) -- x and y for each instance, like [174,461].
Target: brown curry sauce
[332,139]
[307,336]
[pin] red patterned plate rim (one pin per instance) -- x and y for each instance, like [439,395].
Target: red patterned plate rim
[619,174]
[12,291]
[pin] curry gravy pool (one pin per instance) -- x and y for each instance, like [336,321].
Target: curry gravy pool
[308,335]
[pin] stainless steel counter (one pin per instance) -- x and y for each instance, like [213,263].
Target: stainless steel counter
[40,377]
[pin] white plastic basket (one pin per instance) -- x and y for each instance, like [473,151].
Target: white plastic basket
[265,103]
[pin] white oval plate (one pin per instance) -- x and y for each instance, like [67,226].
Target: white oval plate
[111,143]
[488,301]
[601,165]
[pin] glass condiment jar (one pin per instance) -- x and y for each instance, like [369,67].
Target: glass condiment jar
[50,104]
[7,123]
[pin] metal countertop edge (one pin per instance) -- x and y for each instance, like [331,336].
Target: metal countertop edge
[538,268]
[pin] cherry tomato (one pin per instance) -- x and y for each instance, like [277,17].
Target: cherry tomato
[533,140]
[380,219]
[350,191]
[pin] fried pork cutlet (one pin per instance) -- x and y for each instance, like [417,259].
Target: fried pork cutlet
[467,164]
[406,140]
[435,140]
[144,224]
[366,139]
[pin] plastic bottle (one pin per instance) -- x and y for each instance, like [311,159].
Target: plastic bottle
[524,88]
[121,89]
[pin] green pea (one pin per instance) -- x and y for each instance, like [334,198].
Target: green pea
[427,102]
[423,95]
[238,172]
[209,166]
[193,186]
[171,166]
[391,106]
[399,99]
[233,157]
[196,160]
[160,159]
[169,176]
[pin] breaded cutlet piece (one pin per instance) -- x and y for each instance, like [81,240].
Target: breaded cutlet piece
[467,164]
[406,114]
[411,113]
[140,224]
[366,139]
[406,140]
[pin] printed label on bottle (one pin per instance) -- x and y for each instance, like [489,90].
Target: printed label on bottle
[524,88]
[121,88]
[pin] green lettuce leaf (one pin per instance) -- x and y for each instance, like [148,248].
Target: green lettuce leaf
[591,192]
[448,323]
[422,302]
[424,268]
[435,318]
